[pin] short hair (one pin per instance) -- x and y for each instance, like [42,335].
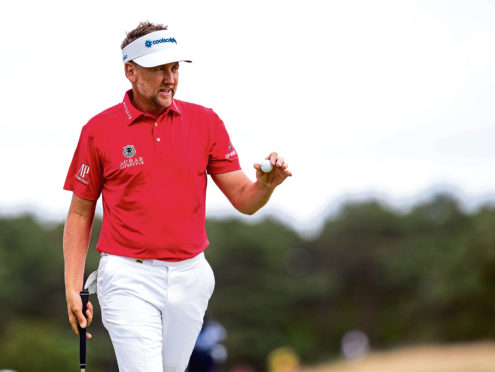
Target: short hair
[144,28]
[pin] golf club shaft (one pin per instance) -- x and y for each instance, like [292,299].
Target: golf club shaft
[82,332]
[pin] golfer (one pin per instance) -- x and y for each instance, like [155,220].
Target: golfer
[149,157]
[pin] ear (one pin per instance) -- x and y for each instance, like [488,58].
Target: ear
[130,71]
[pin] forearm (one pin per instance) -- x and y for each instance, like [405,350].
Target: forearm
[77,233]
[252,197]
[246,196]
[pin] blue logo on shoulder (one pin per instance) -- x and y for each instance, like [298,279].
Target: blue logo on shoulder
[148,44]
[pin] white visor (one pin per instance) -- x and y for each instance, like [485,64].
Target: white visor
[155,49]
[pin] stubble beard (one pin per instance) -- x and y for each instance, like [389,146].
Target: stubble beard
[157,102]
[152,95]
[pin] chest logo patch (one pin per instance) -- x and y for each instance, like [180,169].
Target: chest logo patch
[129,151]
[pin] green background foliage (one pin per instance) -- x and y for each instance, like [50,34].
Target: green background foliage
[426,275]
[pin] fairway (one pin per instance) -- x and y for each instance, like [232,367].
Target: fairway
[477,357]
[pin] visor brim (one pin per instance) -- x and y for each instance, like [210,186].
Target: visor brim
[159,58]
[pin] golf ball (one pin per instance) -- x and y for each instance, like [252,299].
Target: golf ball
[266,166]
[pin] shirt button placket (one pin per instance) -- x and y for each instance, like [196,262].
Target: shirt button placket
[156,139]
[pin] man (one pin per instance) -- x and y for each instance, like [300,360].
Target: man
[149,157]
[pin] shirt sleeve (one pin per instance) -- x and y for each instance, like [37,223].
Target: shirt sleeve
[223,157]
[86,169]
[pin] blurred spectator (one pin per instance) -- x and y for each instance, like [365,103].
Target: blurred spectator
[354,344]
[208,351]
[283,359]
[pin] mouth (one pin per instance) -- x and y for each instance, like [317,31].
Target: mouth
[165,92]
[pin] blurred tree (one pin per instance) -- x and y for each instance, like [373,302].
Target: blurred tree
[37,346]
[427,274]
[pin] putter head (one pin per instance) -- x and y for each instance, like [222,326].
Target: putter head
[90,284]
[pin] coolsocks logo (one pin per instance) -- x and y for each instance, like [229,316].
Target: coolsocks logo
[149,43]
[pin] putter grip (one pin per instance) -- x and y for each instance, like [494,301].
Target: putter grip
[82,331]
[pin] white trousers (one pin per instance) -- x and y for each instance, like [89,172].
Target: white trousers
[153,310]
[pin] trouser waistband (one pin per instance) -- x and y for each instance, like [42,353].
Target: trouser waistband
[152,262]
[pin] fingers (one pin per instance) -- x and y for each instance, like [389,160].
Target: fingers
[76,317]
[74,309]
[287,173]
[81,319]
[273,158]
[278,162]
[73,322]
[281,163]
[279,173]
[89,313]
[85,321]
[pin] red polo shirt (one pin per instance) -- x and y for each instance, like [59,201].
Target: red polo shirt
[152,176]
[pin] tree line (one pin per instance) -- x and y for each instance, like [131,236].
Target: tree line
[402,277]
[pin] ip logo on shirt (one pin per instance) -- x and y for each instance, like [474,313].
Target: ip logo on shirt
[82,173]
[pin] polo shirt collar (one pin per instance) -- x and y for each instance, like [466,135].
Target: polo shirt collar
[132,113]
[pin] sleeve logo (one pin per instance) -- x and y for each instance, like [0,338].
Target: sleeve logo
[232,152]
[82,173]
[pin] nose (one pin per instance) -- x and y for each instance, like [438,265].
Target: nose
[168,77]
